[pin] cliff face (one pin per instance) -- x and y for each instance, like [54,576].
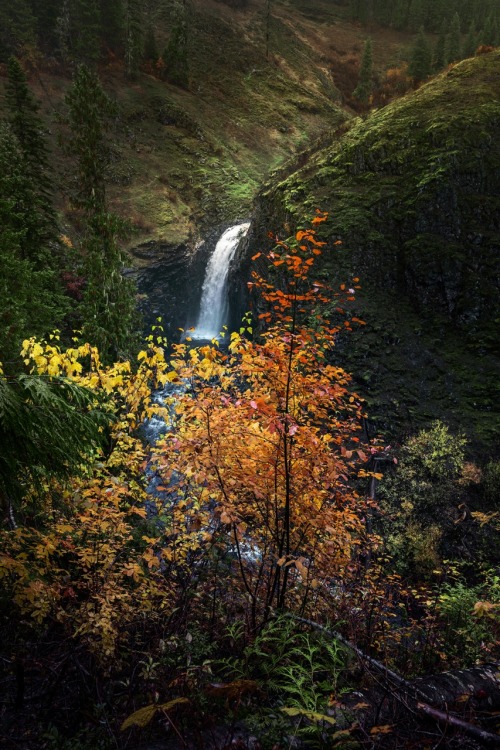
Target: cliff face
[413,191]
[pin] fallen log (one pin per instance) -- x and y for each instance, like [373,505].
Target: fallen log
[432,696]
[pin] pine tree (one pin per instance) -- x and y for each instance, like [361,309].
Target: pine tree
[454,41]
[150,48]
[108,305]
[175,56]
[46,13]
[110,319]
[419,67]
[28,129]
[470,44]
[400,15]
[112,22]
[439,57]
[489,34]
[416,15]
[31,298]
[86,29]
[89,113]
[364,87]
[17,28]
[133,37]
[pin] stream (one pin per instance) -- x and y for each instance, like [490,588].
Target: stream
[211,312]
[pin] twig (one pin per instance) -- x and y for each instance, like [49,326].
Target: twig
[490,740]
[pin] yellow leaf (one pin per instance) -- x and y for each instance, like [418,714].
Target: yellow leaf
[311,715]
[143,716]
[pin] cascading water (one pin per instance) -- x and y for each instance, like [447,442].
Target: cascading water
[214,305]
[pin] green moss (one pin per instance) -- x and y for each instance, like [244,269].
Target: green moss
[414,192]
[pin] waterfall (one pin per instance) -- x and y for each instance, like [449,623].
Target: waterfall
[214,304]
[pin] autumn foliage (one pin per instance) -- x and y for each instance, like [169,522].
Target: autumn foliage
[253,507]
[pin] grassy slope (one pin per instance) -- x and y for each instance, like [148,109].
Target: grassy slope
[185,159]
[414,192]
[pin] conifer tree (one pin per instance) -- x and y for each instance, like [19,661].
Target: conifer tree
[150,48]
[470,44]
[89,114]
[112,21]
[400,14]
[17,28]
[454,41]
[439,56]
[416,15]
[133,37]
[175,56]
[28,129]
[108,305]
[86,29]
[31,298]
[364,87]
[419,67]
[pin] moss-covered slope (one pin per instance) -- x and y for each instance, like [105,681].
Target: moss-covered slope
[413,190]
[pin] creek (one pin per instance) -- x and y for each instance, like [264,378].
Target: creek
[169,293]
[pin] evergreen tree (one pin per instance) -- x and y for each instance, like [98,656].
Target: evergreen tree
[439,57]
[454,41]
[108,305]
[175,56]
[437,15]
[112,22]
[86,29]
[400,15]
[133,37]
[27,126]
[419,67]
[470,44]
[63,31]
[364,87]
[416,15]
[31,299]
[489,34]
[46,13]
[150,48]
[108,308]
[17,28]
[90,110]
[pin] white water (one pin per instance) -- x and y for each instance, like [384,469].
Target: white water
[213,305]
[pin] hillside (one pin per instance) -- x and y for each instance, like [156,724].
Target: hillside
[413,191]
[185,159]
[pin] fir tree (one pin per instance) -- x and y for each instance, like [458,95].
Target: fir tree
[17,28]
[470,44]
[364,87]
[89,113]
[454,41]
[150,48]
[175,56]
[86,31]
[439,57]
[31,298]
[419,67]
[110,319]
[400,15]
[416,15]
[27,127]
[133,37]
[108,305]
